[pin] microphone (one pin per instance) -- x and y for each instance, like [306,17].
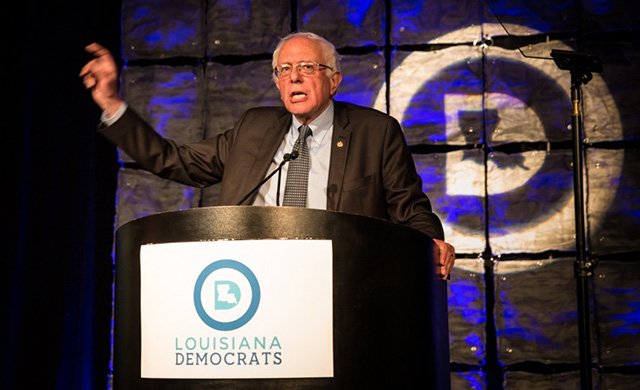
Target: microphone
[287,157]
[291,156]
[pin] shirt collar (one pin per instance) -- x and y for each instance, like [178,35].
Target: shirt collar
[319,126]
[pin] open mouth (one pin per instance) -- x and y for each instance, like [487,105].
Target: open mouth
[295,96]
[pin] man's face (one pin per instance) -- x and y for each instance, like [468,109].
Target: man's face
[306,97]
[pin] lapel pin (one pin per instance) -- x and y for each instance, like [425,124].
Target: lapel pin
[340,144]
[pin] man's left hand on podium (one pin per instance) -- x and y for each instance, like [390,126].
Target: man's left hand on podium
[445,257]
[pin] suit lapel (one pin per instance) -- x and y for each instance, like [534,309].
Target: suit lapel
[268,148]
[340,145]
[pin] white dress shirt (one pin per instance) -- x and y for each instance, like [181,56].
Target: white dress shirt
[319,159]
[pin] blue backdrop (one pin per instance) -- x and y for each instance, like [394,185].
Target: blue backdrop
[486,113]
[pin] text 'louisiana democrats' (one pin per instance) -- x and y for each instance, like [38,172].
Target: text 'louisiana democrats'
[230,351]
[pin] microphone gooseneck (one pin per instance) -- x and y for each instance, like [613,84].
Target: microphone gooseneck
[287,157]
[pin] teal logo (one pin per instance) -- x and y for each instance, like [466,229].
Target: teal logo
[227,295]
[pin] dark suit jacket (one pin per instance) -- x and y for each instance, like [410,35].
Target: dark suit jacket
[371,172]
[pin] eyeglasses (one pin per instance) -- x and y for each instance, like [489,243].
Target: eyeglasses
[304,68]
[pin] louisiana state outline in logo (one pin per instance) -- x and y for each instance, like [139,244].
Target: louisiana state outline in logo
[226,295]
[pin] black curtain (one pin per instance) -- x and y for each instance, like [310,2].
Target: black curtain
[57,275]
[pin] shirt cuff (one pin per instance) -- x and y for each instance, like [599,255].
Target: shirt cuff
[108,121]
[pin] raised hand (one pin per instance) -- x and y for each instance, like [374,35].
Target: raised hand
[100,75]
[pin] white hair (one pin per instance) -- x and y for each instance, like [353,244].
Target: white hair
[329,53]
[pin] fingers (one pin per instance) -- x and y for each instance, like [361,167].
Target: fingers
[88,81]
[93,49]
[97,50]
[85,69]
[103,61]
[100,75]
[445,258]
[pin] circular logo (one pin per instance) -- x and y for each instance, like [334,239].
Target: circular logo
[446,92]
[218,295]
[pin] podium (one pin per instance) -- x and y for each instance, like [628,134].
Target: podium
[389,310]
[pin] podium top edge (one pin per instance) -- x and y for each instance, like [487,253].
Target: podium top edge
[283,214]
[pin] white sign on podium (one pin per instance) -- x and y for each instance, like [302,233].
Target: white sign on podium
[237,309]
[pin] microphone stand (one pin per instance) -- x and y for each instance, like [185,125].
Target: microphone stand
[581,66]
[279,180]
[287,157]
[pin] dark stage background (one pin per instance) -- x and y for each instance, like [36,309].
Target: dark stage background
[57,273]
[486,120]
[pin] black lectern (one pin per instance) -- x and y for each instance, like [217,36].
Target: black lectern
[390,326]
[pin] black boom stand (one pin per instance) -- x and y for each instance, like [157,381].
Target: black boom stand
[581,66]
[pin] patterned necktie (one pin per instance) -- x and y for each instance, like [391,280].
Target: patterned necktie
[295,191]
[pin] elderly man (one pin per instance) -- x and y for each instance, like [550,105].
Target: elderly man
[356,158]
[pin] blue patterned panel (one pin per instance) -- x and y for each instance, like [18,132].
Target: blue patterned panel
[544,16]
[535,311]
[530,201]
[362,79]
[610,99]
[141,193]
[529,98]
[617,306]
[539,381]
[435,21]
[613,206]
[233,89]
[171,99]
[430,95]
[344,22]
[471,380]
[455,185]
[246,27]
[159,29]
[467,313]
